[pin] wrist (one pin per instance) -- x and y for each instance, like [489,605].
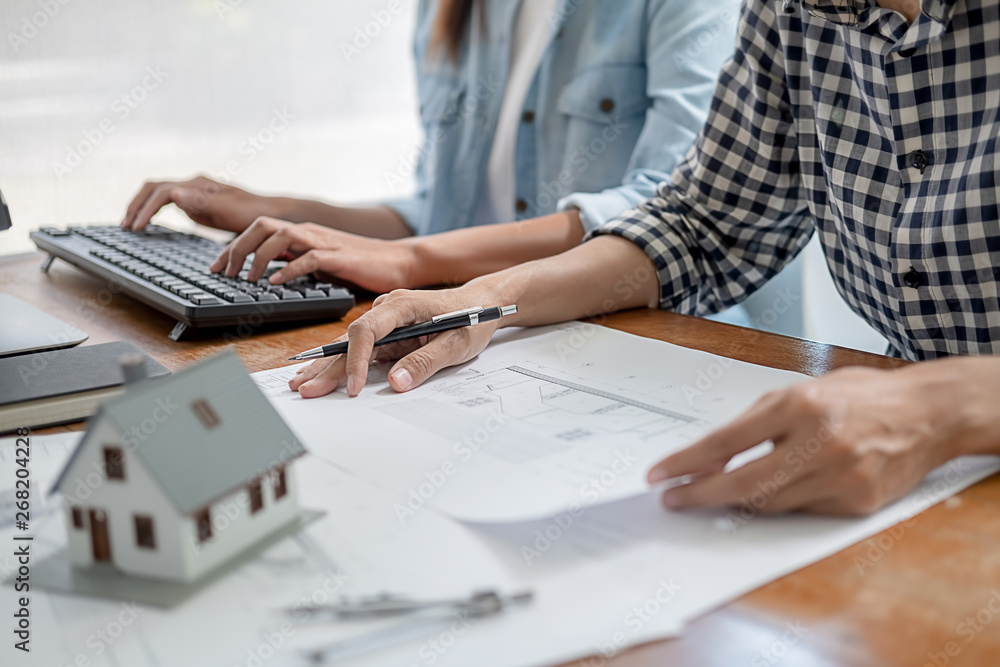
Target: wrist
[412,275]
[504,288]
[421,270]
[967,415]
[281,208]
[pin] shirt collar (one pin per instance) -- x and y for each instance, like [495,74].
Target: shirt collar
[857,12]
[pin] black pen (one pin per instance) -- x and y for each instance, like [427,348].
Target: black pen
[462,318]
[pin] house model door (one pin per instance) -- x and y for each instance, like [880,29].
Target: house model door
[99,536]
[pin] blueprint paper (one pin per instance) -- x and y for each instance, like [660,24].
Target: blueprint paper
[543,421]
[626,570]
[358,548]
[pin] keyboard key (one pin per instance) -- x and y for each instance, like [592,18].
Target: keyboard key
[206,300]
[242,298]
[315,294]
[288,295]
[267,296]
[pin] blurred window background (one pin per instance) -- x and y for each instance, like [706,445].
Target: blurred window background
[303,97]
[97,96]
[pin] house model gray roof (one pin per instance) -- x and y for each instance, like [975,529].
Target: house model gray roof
[195,463]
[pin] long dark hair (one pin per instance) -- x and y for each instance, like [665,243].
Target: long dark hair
[452,25]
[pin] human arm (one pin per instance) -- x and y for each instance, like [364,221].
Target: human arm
[233,209]
[449,258]
[847,443]
[605,275]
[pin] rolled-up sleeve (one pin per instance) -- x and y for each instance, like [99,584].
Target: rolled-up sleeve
[732,214]
[687,43]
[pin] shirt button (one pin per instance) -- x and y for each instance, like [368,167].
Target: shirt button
[521,206]
[919,160]
[906,53]
[913,279]
[607,105]
[528,117]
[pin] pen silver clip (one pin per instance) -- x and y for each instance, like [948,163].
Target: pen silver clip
[457,313]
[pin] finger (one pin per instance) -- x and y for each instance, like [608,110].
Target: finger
[316,366]
[271,248]
[329,378]
[234,255]
[160,197]
[447,349]
[310,262]
[308,371]
[375,325]
[137,203]
[764,477]
[764,421]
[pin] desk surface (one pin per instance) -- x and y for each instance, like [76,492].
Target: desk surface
[905,597]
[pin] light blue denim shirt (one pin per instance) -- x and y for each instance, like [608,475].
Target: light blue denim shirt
[621,92]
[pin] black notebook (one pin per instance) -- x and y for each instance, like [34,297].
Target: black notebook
[63,385]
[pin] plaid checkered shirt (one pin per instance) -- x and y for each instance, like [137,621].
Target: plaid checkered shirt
[841,117]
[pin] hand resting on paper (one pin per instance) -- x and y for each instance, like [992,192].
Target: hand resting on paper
[845,444]
[416,360]
[577,283]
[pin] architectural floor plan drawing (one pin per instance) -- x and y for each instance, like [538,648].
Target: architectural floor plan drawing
[538,411]
[541,421]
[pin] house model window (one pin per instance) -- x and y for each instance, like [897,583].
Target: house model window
[203,520]
[280,485]
[206,413]
[114,463]
[256,496]
[77,518]
[144,536]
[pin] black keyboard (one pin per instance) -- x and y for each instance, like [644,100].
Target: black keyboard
[168,270]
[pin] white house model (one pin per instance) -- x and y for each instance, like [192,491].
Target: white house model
[180,474]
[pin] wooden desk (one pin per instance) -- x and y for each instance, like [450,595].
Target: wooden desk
[909,603]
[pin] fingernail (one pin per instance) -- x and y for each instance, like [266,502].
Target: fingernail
[402,378]
[670,500]
[352,386]
[657,475]
[277,277]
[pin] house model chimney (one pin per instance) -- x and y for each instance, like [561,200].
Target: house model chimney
[133,368]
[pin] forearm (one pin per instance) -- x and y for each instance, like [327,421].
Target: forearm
[604,275]
[378,222]
[454,258]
